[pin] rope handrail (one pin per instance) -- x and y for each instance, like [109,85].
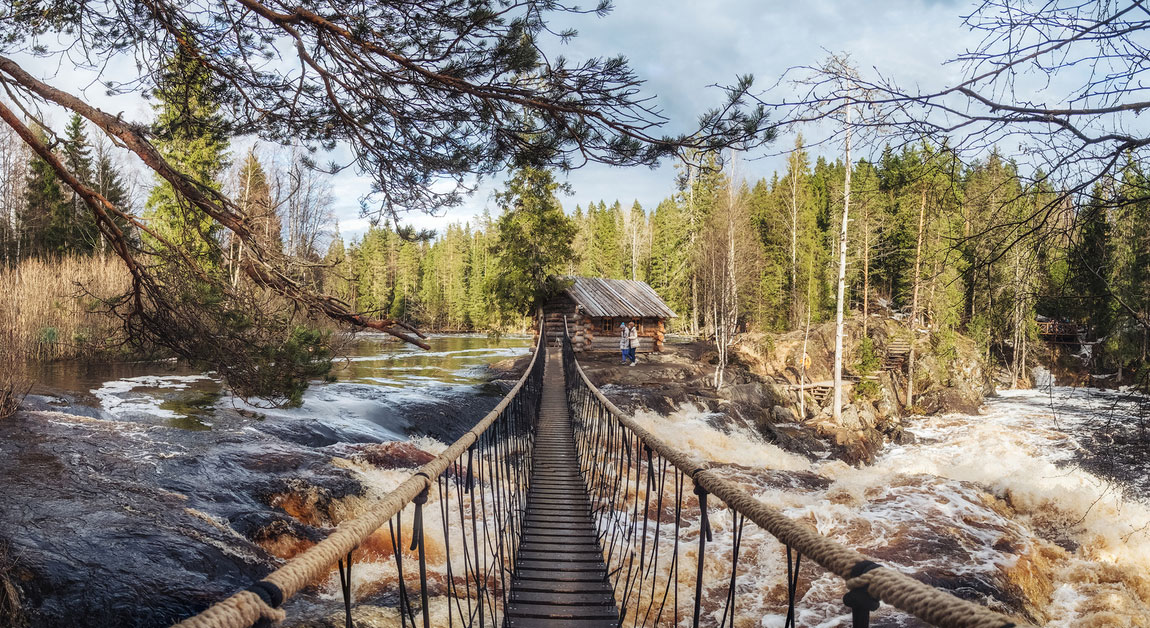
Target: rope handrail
[261,602]
[863,576]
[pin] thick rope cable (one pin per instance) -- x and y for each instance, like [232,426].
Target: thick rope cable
[929,604]
[245,608]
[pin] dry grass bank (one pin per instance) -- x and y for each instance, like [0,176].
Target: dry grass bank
[11,613]
[50,309]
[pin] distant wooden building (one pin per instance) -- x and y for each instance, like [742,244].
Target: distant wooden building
[595,307]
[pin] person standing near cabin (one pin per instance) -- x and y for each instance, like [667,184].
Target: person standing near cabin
[632,340]
[624,342]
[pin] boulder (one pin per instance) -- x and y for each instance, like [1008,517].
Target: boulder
[784,415]
[850,420]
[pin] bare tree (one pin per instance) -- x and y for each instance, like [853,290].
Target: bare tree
[13,172]
[727,253]
[428,95]
[306,206]
[1063,80]
[637,238]
[836,411]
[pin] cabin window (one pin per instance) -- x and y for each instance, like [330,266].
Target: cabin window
[605,325]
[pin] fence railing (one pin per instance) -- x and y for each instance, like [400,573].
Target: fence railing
[458,519]
[675,538]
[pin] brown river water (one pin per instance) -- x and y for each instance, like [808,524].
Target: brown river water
[137,494]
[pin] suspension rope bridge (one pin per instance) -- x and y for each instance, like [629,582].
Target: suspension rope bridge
[558,510]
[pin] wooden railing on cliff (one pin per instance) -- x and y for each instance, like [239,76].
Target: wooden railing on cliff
[651,501]
[476,491]
[1058,329]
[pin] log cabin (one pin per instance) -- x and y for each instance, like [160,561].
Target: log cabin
[594,308]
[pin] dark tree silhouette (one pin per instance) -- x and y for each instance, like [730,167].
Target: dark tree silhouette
[429,95]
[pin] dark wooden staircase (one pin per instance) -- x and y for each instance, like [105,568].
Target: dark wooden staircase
[897,351]
[556,329]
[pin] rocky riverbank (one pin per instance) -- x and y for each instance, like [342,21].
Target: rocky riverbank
[760,393]
[137,495]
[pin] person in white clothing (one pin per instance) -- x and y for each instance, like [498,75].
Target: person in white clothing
[624,342]
[632,340]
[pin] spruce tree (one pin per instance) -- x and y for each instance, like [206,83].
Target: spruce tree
[80,226]
[108,181]
[669,257]
[535,239]
[46,209]
[336,277]
[192,135]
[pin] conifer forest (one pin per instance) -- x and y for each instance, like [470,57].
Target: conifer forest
[923,225]
[388,313]
[222,212]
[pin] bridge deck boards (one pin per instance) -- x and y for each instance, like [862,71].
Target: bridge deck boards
[560,579]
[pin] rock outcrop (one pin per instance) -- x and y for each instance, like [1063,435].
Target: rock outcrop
[759,393]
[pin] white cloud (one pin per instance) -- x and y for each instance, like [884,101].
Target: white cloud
[680,47]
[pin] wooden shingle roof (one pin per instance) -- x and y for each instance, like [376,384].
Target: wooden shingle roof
[617,297]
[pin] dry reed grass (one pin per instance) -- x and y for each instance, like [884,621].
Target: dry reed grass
[11,613]
[12,391]
[50,309]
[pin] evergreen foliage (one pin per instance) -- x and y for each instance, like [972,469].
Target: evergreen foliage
[534,242]
[193,136]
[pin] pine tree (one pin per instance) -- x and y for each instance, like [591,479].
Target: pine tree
[405,296]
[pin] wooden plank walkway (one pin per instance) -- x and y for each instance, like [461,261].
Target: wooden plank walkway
[560,579]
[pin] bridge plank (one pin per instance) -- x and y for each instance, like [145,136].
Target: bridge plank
[560,579]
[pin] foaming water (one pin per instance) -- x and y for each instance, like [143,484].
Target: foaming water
[691,430]
[376,388]
[995,508]
[116,518]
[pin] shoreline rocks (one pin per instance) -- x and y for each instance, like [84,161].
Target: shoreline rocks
[755,395]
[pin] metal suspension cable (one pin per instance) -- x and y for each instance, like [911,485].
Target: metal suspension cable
[491,459]
[616,453]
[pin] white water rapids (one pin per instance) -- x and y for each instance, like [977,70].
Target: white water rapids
[993,507]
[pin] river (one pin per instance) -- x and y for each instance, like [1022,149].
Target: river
[136,493]
[1037,507]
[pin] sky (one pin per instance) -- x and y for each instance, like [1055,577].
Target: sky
[680,47]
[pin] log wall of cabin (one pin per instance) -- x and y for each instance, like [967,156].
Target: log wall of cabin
[602,333]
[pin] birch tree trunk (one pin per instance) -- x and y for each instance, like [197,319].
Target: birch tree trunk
[730,319]
[806,336]
[866,266]
[914,300]
[694,272]
[837,409]
[795,312]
